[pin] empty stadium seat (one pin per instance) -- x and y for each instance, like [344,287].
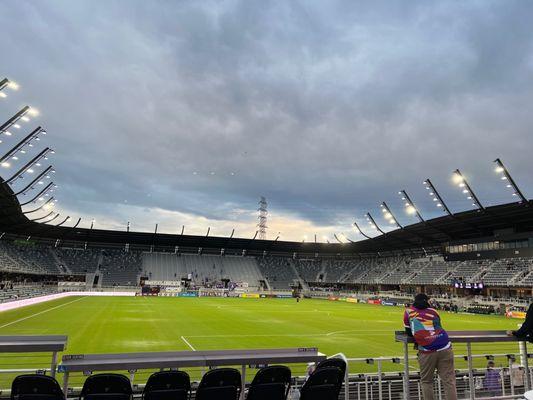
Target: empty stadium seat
[220,384]
[36,387]
[167,385]
[334,362]
[270,383]
[106,387]
[323,384]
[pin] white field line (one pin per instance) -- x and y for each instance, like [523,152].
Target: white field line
[39,313]
[188,344]
[353,333]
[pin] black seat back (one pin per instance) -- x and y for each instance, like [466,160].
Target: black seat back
[220,384]
[270,383]
[323,384]
[36,387]
[334,362]
[106,387]
[167,385]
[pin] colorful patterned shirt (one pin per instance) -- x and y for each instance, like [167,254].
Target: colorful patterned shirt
[426,329]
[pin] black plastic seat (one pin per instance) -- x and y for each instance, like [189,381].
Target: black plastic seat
[323,384]
[270,383]
[36,387]
[167,385]
[334,362]
[106,387]
[220,384]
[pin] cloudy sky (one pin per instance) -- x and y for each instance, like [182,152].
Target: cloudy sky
[186,112]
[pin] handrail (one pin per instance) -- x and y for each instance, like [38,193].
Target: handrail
[467,337]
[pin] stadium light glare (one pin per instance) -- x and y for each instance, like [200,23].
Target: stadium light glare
[5,164]
[389,216]
[13,120]
[470,195]
[510,183]
[6,83]
[13,85]
[373,223]
[29,166]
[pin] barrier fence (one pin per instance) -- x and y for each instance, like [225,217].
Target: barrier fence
[377,378]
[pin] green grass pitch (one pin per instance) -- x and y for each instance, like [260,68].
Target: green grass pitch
[137,324]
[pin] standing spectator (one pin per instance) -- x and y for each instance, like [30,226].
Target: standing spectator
[492,381]
[422,322]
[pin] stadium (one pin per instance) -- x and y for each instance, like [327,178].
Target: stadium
[204,316]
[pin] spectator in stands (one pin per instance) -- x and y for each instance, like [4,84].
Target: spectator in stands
[422,322]
[492,382]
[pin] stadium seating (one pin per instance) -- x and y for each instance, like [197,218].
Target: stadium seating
[106,387]
[336,363]
[219,384]
[167,385]
[278,272]
[309,270]
[25,292]
[323,384]
[205,268]
[120,268]
[79,261]
[270,383]
[36,387]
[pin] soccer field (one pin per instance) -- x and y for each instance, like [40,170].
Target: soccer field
[136,324]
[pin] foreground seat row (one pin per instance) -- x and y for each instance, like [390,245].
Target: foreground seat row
[270,383]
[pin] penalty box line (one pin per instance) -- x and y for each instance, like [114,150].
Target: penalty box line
[41,312]
[187,343]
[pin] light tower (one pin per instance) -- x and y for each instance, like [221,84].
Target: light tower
[263,213]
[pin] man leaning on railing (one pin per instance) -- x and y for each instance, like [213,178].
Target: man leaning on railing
[434,347]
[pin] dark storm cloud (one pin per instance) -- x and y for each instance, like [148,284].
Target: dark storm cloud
[326,108]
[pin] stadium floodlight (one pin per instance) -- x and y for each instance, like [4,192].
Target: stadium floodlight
[46,206]
[46,216]
[436,197]
[389,216]
[372,223]
[53,218]
[32,136]
[40,196]
[462,183]
[232,233]
[39,180]
[128,226]
[509,181]
[30,164]
[6,83]
[358,230]
[77,223]
[92,224]
[67,218]
[12,122]
[410,207]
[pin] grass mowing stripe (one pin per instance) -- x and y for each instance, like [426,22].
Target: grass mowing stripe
[39,313]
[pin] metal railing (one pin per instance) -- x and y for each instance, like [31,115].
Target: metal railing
[468,338]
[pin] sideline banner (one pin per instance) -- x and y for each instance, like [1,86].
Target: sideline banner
[250,296]
[516,314]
